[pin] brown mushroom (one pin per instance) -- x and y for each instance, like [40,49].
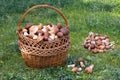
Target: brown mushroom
[52,36]
[45,29]
[33,29]
[40,38]
[81,62]
[86,46]
[28,25]
[35,37]
[64,31]
[46,36]
[89,69]
[92,46]
[102,47]
[76,69]
[60,34]
[99,42]
[40,26]
[54,30]
[59,25]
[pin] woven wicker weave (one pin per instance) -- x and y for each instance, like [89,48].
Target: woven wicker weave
[44,53]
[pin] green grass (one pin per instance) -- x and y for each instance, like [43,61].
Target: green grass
[100,16]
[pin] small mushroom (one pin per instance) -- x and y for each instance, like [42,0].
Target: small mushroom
[52,36]
[45,29]
[26,34]
[91,33]
[54,30]
[101,51]
[93,42]
[102,47]
[60,34]
[86,46]
[40,38]
[92,46]
[99,42]
[35,37]
[89,69]
[81,62]
[46,36]
[96,38]
[95,50]
[40,26]
[72,65]
[24,30]
[76,69]
[59,25]
[33,29]
[64,31]
[29,25]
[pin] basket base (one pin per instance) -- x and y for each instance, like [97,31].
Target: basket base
[35,61]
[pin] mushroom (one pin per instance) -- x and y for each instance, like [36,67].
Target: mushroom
[59,25]
[92,46]
[89,69]
[93,42]
[99,42]
[81,62]
[45,29]
[91,33]
[40,37]
[102,47]
[95,50]
[52,36]
[31,35]
[53,30]
[64,31]
[76,69]
[28,25]
[35,37]
[72,65]
[60,34]
[46,36]
[25,32]
[86,46]
[33,29]
[96,38]
[40,26]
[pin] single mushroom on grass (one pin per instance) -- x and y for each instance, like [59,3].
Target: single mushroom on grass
[76,69]
[89,69]
[81,62]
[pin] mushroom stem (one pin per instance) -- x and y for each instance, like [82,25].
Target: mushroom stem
[82,64]
[72,65]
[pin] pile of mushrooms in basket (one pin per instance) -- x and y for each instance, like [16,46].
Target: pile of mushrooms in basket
[46,32]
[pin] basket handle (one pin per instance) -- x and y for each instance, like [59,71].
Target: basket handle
[42,6]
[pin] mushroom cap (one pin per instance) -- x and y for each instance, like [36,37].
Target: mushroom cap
[81,60]
[59,25]
[28,25]
[75,69]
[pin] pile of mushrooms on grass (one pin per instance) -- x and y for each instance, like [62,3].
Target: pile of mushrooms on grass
[98,43]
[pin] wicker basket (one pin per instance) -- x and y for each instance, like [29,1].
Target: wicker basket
[45,53]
